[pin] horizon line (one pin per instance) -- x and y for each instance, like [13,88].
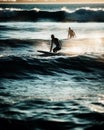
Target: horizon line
[30,2]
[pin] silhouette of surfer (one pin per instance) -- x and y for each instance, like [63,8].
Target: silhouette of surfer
[57,43]
[71,33]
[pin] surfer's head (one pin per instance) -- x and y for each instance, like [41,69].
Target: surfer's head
[52,36]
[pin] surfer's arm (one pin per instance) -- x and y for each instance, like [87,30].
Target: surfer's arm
[51,46]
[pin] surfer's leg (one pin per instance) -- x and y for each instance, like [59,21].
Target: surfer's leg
[55,49]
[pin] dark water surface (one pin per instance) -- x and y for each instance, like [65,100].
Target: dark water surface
[43,92]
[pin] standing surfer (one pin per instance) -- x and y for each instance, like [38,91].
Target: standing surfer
[71,33]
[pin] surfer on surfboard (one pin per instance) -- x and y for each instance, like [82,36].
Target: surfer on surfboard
[57,43]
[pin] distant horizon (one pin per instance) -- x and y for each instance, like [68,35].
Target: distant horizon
[53,1]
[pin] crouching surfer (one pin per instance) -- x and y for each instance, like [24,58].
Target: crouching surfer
[57,43]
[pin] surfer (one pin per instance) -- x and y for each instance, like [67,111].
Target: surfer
[56,42]
[71,33]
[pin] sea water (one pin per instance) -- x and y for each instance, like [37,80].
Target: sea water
[40,92]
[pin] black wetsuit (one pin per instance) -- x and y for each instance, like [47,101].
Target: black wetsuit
[57,43]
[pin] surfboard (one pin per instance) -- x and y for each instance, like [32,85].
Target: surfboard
[48,53]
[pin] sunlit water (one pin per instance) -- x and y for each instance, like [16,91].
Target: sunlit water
[43,30]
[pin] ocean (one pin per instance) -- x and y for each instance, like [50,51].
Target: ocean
[44,92]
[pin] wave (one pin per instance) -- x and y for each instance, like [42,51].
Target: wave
[63,15]
[17,42]
[19,67]
[43,123]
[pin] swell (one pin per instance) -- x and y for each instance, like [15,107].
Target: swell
[15,43]
[43,124]
[75,116]
[79,15]
[19,67]
[18,42]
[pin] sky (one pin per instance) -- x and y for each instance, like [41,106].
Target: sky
[53,1]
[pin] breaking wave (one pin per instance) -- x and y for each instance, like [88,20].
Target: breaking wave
[35,14]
